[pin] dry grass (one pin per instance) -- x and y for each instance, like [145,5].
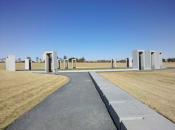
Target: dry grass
[169,64]
[80,65]
[21,91]
[40,66]
[156,89]
[20,66]
[99,65]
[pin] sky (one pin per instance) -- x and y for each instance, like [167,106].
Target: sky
[95,29]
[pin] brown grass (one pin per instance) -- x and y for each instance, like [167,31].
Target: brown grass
[156,89]
[20,66]
[40,66]
[80,65]
[169,64]
[21,91]
[98,65]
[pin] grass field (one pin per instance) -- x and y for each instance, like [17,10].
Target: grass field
[21,91]
[80,65]
[169,64]
[156,89]
[20,66]
[40,66]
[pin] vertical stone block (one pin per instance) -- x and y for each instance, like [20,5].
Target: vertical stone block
[50,61]
[10,63]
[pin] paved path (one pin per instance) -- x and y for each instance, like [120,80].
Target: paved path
[77,106]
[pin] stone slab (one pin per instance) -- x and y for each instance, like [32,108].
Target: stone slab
[155,122]
[108,91]
[99,81]
[27,64]
[51,62]
[115,95]
[10,63]
[129,110]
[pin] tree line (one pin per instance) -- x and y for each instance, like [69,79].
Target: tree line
[81,59]
[169,60]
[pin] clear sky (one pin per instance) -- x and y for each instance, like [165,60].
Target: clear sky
[95,29]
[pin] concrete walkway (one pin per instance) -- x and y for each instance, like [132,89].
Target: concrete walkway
[77,106]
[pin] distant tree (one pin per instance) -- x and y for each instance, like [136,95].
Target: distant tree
[103,61]
[70,59]
[82,59]
[64,57]
[19,60]
[28,58]
[37,59]
[171,59]
[3,60]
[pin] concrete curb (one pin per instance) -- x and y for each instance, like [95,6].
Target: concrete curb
[127,112]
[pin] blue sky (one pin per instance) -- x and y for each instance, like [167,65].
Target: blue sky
[95,29]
